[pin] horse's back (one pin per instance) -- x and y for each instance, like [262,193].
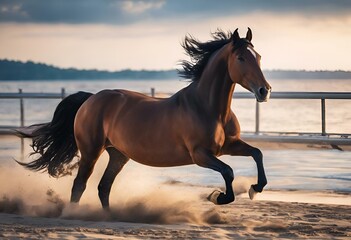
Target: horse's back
[105,107]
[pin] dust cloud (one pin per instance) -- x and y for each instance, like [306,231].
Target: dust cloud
[140,210]
[138,195]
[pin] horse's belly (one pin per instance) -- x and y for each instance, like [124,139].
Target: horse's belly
[164,161]
[159,157]
[158,154]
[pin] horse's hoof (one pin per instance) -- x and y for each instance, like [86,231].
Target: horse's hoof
[213,196]
[252,193]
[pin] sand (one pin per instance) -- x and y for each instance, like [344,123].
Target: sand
[34,206]
[242,220]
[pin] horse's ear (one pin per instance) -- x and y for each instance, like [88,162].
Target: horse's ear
[249,35]
[235,36]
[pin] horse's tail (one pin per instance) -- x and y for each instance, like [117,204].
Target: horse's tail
[54,141]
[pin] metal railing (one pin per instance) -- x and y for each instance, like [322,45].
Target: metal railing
[323,96]
[298,95]
[21,96]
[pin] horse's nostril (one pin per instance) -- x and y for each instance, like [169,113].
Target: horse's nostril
[263,91]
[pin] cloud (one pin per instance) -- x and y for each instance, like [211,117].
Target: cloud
[114,35]
[121,12]
[12,10]
[137,7]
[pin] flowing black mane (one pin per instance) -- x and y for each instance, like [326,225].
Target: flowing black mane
[200,52]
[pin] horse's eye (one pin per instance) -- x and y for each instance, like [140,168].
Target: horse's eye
[241,59]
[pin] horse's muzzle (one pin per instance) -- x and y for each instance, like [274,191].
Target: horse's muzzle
[263,94]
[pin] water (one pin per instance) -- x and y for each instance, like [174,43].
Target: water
[277,115]
[286,169]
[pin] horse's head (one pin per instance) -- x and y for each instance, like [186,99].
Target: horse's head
[244,67]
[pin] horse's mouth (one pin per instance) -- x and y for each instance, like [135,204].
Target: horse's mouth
[262,100]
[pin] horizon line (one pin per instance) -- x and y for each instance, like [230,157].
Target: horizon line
[157,70]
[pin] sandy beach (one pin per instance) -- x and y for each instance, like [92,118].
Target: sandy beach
[36,206]
[244,219]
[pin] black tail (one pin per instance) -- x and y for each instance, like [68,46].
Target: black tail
[54,141]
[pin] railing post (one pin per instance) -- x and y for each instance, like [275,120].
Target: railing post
[257,122]
[21,108]
[323,116]
[152,92]
[63,93]
[22,122]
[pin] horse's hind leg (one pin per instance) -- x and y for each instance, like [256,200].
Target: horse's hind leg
[86,167]
[115,165]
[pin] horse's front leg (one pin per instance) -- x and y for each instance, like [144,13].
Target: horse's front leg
[240,148]
[206,159]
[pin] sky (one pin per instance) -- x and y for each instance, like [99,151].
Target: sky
[124,34]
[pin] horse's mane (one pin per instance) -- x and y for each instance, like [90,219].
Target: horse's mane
[200,53]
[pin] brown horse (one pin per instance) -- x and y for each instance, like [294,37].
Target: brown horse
[194,126]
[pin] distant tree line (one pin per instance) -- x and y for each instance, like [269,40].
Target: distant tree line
[16,70]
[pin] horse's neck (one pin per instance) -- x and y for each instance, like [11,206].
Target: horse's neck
[215,88]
